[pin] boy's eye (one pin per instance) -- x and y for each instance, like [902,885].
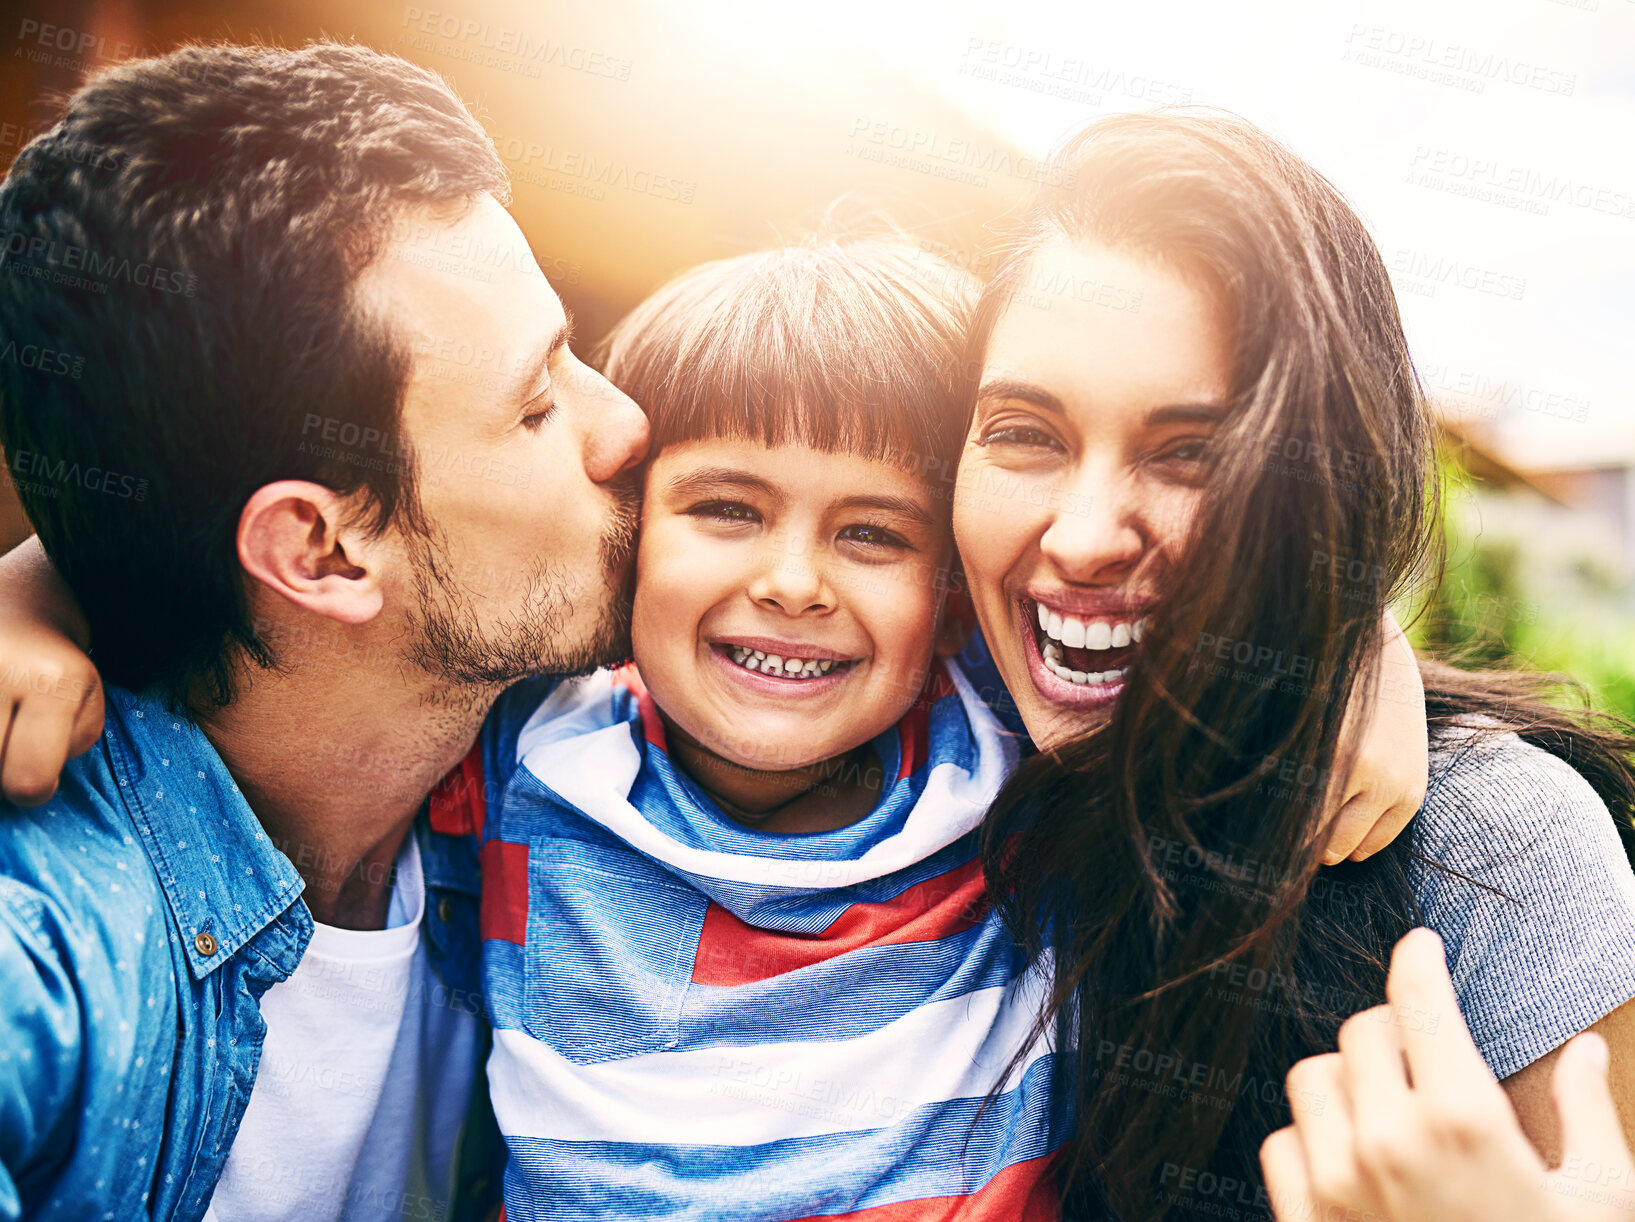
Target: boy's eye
[724,511]
[875,536]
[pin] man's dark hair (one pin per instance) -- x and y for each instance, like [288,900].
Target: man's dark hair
[176,310]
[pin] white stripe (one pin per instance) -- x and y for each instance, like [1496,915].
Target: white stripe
[574,746]
[746,1096]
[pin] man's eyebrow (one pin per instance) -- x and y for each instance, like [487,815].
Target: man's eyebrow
[528,384]
[1027,392]
[718,479]
[900,505]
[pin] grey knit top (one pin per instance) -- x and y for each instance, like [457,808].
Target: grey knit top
[1541,940]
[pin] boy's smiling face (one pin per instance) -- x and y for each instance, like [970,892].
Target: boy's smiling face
[832,563]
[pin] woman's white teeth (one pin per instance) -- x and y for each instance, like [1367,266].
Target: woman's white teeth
[1089,634]
[1053,659]
[784,668]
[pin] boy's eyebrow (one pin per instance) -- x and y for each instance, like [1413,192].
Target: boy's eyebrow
[710,479]
[902,505]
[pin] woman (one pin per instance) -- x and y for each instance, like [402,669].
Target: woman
[1196,410]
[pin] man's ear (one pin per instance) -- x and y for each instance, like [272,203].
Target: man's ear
[297,539]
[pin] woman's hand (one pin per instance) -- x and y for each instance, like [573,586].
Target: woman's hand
[50,693]
[1406,1123]
[1392,771]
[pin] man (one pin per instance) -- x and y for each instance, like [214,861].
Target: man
[329,479]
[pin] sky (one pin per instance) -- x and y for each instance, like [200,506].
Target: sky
[1490,147]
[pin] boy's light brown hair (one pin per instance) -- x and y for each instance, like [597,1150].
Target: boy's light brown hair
[846,345]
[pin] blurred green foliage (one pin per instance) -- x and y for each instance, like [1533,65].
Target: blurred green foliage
[1504,600]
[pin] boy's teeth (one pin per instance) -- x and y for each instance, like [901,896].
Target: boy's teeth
[784,668]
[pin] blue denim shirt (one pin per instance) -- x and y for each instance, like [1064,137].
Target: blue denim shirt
[143,913]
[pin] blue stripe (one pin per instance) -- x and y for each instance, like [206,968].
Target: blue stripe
[937,1150]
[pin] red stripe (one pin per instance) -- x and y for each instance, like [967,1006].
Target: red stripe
[652,724]
[458,805]
[731,951]
[505,891]
[1022,1192]
[914,730]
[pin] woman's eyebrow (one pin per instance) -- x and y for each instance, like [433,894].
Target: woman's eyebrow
[1187,413]
[1027,392]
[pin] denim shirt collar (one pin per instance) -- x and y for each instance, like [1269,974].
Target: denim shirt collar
[223,877]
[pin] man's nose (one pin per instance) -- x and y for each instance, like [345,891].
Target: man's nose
[618,433]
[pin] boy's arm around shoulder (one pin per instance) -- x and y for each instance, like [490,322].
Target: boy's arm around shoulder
[50,693]
[40,1047]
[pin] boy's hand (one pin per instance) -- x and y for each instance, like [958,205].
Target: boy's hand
[52,699]
[50,693]
[1406,1123]
[1392,771]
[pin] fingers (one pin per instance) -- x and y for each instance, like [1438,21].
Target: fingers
[1322,1121]
[89,716]
[1387,826]
[35,750]
[1349,827]
[1441,1056]
[1283,1166]
[1590,1128]
[1372,1072]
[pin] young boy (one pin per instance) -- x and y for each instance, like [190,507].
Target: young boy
[737,954]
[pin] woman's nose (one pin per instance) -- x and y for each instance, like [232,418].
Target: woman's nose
[1096,537]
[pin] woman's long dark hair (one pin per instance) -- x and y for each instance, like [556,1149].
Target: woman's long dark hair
[1166,864]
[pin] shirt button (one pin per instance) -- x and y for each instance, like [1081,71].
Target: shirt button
[445,909]
[204,944]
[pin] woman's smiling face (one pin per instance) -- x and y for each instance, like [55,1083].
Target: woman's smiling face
[1084,469]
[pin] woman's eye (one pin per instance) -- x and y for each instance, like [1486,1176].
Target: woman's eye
[725,511]
[875,536]
[1193,450]
[1020,435]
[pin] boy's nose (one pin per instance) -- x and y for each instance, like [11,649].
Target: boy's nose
[791,581]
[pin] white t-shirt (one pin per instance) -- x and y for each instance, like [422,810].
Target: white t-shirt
[365,1076]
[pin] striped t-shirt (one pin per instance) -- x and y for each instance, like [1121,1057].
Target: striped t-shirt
[695,1019]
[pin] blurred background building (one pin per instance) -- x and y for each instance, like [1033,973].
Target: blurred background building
[1488,147]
